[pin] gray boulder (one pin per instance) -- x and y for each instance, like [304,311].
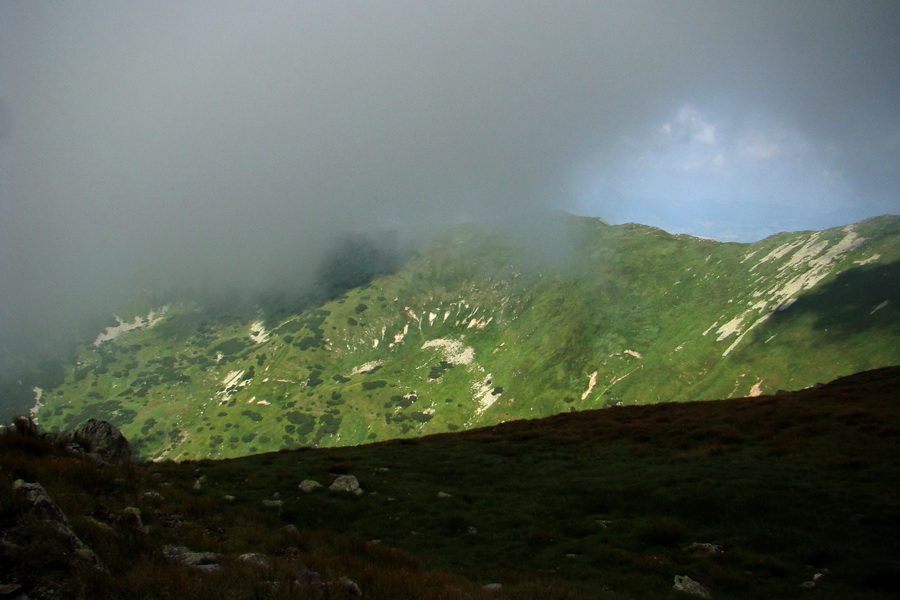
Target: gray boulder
[42,507]
[196,559]
[40,503]
[254,558]
[308,485]
[348,484]
[685,584]
[205,562]
[702,550]
[106,443]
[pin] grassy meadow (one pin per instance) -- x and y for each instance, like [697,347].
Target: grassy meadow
[473,330]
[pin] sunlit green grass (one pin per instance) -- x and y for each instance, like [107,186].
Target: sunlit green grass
[617,291]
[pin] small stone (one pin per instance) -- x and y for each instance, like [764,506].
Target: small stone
[74,448]
[272,503]
[290,529]
[493,587]
[199,483]
[382,470]
[685,584]
[472,530]
[443,495]
[193,559]
[308,485]
[153,495]
[254,558]
[819,577]
[209,569]
[348,484]
[702,550]
[100,525]
[228,498]
[201,561]
[808,585]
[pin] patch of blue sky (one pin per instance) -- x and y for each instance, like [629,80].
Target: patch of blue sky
[710,176]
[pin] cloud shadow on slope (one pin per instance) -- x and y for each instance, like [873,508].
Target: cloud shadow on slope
[861,299]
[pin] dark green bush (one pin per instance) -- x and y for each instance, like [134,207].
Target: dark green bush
[252,415]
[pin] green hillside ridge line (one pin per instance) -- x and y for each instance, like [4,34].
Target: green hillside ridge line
[474,331]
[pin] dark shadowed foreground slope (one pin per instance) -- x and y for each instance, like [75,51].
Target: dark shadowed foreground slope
[785,496]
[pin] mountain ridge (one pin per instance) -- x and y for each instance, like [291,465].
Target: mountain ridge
[479,327]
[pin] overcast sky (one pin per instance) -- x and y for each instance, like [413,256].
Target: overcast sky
[232,140]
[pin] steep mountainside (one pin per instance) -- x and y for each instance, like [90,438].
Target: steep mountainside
[475,330]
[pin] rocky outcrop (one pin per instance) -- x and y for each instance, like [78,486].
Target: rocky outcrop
[100,440]
[106,441]
[40,549]
[43,508]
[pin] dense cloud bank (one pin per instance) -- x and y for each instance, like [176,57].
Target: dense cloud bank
[229,144]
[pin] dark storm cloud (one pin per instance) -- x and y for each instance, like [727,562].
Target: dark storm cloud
[227,143]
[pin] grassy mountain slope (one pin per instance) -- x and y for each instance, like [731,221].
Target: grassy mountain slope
[474,330]
[789,489]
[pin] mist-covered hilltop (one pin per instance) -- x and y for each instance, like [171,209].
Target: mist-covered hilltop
[480,327]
